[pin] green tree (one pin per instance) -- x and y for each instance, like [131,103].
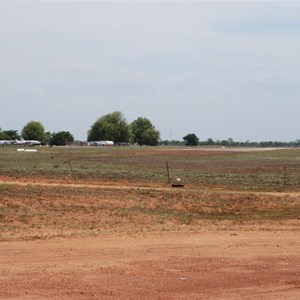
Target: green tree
[61,138]
[9,134]
[110,127]
[210,142]
[34,131]
[144,133]
[191,139]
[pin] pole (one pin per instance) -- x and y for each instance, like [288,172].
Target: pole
[72,170]
[284,177]
[168,172]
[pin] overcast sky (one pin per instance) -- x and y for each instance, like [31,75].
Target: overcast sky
[217,69]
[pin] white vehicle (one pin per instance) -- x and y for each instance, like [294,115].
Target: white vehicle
[6,142]
[102,143]
[27,142]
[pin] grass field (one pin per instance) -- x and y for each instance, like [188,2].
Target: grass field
[274,170]
[89,191]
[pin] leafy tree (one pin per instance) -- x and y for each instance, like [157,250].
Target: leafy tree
[210,141]
[111,127]
[144,133]
[224,143]
[150,137]
[34,131]
[230,141]
[9,134]
[61,138]
[191,139]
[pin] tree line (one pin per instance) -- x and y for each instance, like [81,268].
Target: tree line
[35,130]
[111,127]
[191,140]
[114,127]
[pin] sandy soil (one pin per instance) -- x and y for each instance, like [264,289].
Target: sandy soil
[206,265]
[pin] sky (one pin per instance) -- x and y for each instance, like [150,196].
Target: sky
[219,69]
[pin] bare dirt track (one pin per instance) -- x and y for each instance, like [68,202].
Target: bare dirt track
[205,265]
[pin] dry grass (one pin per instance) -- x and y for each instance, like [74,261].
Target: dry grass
[28,212]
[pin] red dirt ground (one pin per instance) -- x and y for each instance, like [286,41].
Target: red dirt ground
[261,261]
[204,265]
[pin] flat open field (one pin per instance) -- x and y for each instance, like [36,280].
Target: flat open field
[104,223]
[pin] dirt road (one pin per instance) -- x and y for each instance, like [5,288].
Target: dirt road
[203,265]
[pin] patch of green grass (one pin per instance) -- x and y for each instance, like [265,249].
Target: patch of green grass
[243,171]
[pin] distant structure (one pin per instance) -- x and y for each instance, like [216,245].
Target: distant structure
[102,143]
[20,142]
